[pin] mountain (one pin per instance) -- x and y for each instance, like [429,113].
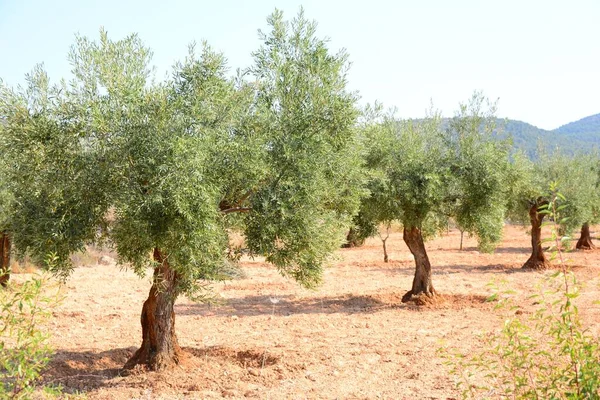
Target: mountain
[582,136]
[587,125]
[575,137]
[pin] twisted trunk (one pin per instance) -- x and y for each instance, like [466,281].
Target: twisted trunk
[4,258]
[422,284]
[159,349]
[537,260]
[585,241]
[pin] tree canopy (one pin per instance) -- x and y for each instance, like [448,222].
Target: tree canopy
[164,168]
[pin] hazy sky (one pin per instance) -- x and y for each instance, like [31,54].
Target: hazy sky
[540,58]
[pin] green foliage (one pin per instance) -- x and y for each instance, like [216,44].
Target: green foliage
[576,177]
[526,186]
[479,166]
[312,182]
[547,355]
[24,350]
[423,174]
[173,165]
[48,173]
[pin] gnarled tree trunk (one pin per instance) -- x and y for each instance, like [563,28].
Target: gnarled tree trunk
[159,349]
[422,284]
[537,260]
[4,258]
[585,241]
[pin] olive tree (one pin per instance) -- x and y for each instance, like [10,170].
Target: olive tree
[528,191]
[431,173]
[530,187]
[576,180]
[588,199]
[171,165]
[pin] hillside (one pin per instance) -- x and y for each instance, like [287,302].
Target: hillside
[582,136]
[579,136]
[587,125]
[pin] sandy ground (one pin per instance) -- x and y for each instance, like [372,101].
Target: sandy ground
[271,339]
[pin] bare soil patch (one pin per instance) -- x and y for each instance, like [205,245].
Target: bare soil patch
[269,338]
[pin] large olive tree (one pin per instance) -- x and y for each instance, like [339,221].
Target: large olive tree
[166,167]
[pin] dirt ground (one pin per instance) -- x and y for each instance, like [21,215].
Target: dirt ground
[270,339]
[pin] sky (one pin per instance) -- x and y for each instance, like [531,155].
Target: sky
[539,59]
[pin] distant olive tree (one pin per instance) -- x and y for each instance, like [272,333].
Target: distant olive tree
[587,200]
[573,177]
[527,199]
[427,173]
[168,166]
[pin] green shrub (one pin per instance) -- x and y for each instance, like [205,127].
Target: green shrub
[24,349]
[547,354]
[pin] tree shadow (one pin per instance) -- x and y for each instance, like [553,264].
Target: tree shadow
[409,271]
[257,305]
[503,250]
[288,305]
[248,358]
[85,370]
[393,268]
[463,268]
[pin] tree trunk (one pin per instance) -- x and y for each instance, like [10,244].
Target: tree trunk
[385,253]
[352,239]
[585,241]
[159,349]
[422,284]
[4,258]
[537,260]
[462,235]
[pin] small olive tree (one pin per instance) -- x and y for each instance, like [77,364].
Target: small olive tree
[574,177]
[171,165]
[528,190]
[587,199]
[428,173]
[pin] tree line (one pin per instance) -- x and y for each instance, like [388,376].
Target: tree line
[163,170]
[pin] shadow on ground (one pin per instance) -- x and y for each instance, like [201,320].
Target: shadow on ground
[257,305]
[287,305]
[451,269]
[503,250]
[85,370]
